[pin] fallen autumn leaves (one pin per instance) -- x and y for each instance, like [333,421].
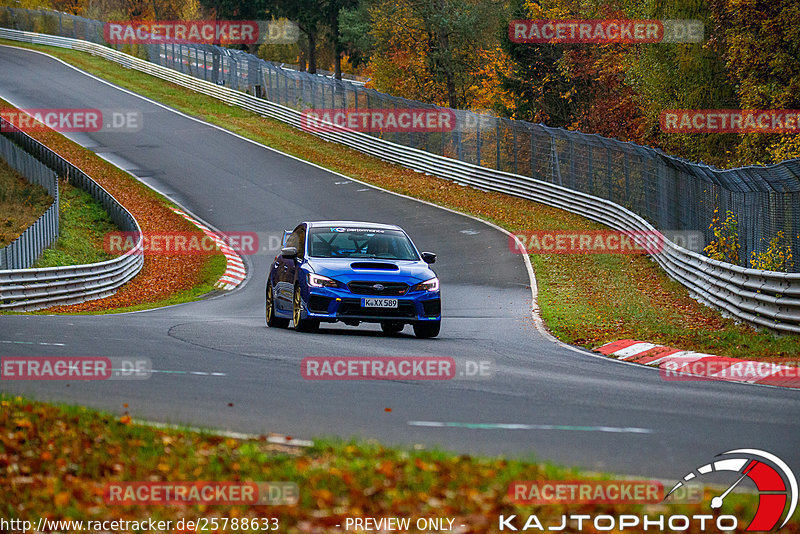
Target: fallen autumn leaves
[55,462]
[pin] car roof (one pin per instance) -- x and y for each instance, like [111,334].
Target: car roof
[353,224]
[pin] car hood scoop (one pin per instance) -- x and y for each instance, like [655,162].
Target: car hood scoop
[374,266]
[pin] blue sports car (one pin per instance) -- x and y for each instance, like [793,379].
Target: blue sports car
[353,272]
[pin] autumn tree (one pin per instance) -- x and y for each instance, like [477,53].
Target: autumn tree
[540,87]
[332,12]
[309,15]
[760,44]
[431,49]
[354,31]
[683,76]
[236,10]
[73,7]
[189,9]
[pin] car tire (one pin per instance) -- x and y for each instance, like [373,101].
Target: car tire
[301,325]
[427,329]
[392,328]
[272,321]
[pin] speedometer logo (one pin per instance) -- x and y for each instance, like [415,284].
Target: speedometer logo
[776,484]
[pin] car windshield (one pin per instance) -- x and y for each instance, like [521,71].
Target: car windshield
[341,242]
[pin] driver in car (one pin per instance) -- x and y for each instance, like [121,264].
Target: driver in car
[380,245]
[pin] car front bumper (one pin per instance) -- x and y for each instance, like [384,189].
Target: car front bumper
[329,304]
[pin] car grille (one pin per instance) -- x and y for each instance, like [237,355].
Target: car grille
[352,308]
[390,289]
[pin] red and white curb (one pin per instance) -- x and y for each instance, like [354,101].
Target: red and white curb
[235,272]
[676,364]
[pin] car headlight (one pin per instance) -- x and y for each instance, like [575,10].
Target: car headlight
[317,280]
[427,285]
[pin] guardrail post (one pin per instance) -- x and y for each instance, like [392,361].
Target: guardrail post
[571,163]
[626,171]
[478,141]
[515,147]
[215,65]
[555,163]
[458,141]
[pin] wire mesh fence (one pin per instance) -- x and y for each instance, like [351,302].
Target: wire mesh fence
[671,193]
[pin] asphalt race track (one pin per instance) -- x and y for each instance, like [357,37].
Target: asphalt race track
[574,408]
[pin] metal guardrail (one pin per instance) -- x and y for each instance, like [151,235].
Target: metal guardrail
[26,249]
[33,289]
[763,298]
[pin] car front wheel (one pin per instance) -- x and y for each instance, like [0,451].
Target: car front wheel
[427,329]
[272,321]
[300,324]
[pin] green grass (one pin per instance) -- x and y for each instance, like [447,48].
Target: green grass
[83,223]
[21,204]
[587,300]
[63,456]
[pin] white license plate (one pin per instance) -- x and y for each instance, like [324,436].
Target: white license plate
[379,303]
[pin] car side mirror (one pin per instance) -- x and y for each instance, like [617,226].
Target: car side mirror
[289,252]
[429,257]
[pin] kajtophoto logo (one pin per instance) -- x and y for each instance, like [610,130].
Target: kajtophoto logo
[775,481]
